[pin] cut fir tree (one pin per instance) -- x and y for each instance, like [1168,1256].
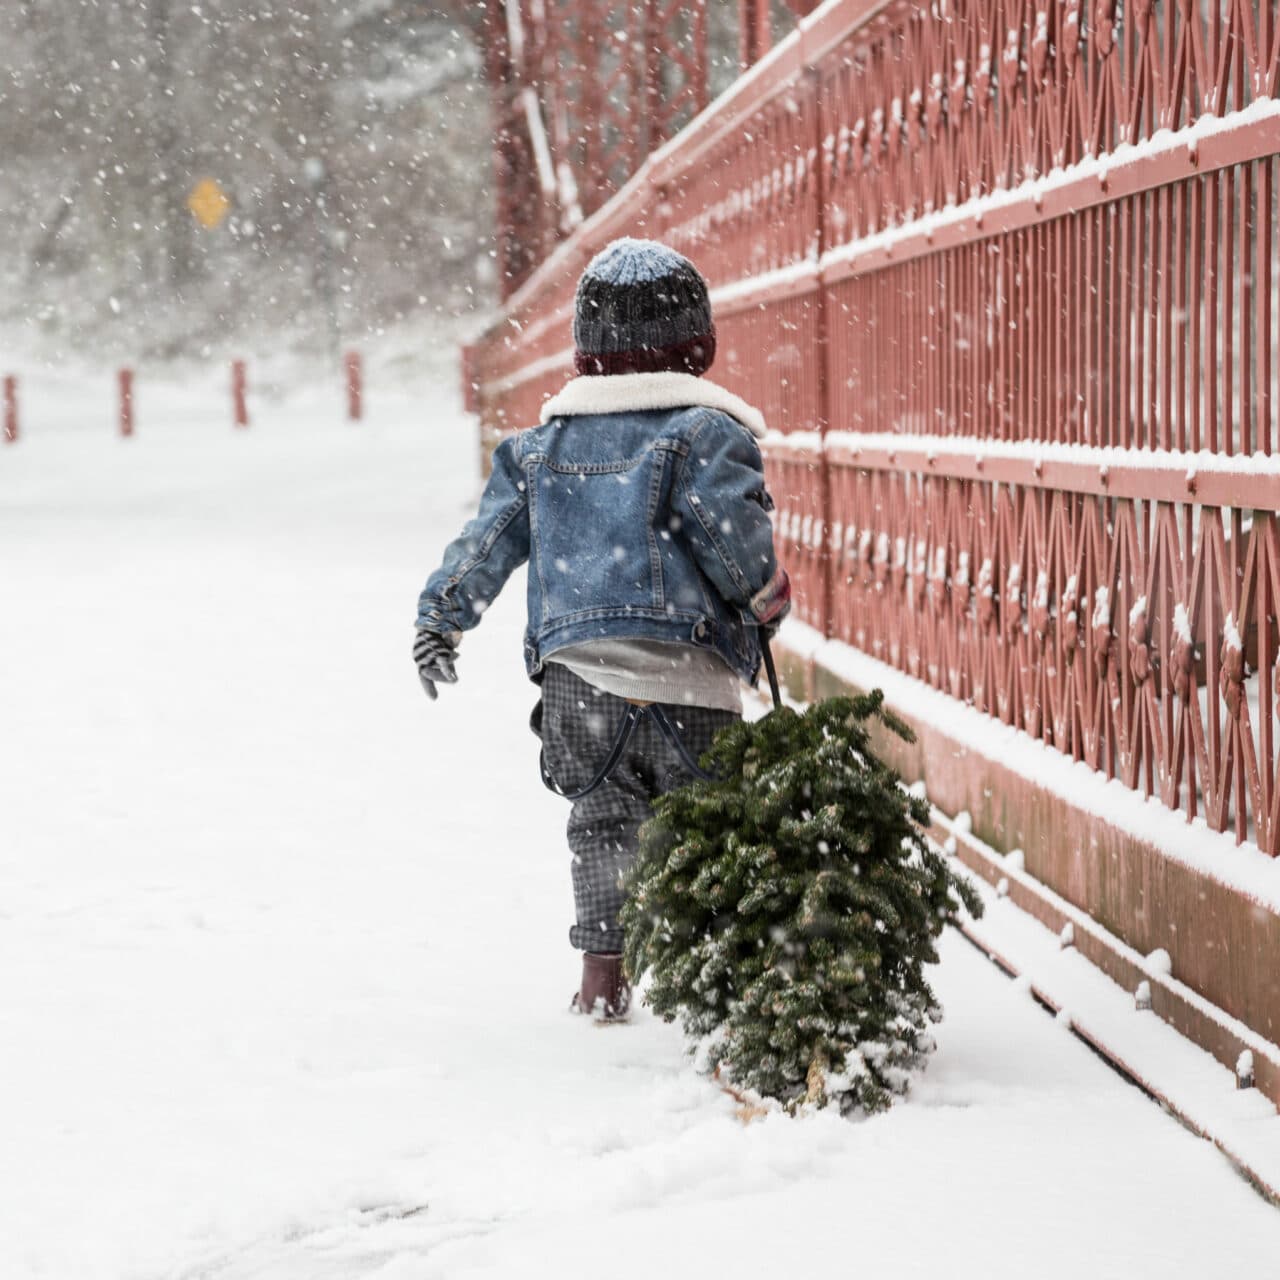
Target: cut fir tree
[786,910]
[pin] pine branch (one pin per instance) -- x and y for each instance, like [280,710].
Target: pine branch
[788,909]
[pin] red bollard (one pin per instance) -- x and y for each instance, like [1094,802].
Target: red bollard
[355,385]
[10,409]
[125,377]
[239,386]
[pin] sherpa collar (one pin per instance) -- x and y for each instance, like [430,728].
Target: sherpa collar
[620,392]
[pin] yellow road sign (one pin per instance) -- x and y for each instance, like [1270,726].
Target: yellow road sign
[209,203]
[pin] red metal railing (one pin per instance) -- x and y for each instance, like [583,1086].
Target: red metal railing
[1003,275]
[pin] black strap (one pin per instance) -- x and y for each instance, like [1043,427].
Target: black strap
[672,735]
[627,726]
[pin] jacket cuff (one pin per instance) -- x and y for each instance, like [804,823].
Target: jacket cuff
[433,616]
[773,599]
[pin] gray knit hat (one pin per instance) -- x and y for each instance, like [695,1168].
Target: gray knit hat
[642,307]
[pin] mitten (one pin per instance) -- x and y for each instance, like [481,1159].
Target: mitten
[434,653]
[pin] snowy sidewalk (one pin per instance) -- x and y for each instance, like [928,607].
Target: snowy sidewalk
[283,964]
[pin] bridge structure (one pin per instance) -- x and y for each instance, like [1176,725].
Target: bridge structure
[1004,277]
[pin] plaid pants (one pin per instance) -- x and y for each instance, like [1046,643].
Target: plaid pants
[577,724]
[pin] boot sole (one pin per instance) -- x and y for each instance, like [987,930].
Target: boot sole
[606,1020]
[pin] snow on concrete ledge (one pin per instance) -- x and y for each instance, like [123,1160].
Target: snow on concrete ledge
[1197,1088]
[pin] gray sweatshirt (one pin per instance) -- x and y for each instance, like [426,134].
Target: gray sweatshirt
[654,671]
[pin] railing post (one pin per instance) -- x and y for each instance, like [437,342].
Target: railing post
[239,387]
[755,33]
[125,379]
[825,555]
[10,409]
[355,385]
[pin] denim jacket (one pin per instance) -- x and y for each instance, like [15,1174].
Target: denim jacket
[640,504]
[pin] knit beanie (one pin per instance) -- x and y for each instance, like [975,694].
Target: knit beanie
[640,308]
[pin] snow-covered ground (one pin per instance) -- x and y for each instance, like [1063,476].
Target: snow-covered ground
[283,966]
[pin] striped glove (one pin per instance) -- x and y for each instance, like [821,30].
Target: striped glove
[434,653]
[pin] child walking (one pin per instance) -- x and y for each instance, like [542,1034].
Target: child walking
[640,505]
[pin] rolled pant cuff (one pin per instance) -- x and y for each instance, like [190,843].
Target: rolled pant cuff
[586,938]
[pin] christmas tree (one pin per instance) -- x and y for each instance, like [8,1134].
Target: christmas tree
[787,909]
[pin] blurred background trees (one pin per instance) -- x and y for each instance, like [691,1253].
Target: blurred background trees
[350,139]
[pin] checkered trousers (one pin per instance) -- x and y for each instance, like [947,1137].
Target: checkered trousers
[578,726]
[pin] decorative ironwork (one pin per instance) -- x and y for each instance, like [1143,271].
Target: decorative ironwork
[1023,376]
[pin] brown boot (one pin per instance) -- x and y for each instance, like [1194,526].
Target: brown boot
[605,992]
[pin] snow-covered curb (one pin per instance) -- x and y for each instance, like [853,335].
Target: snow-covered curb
[1243,868]
[1197,1088]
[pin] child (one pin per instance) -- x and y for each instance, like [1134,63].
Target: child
[640,504]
